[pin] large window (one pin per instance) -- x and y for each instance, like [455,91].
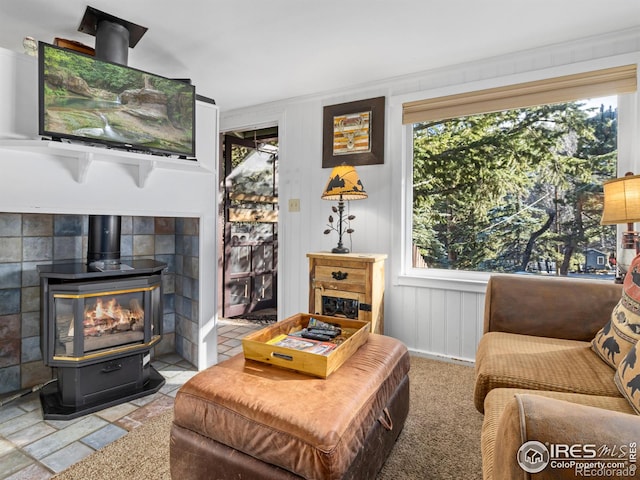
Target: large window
[517,189]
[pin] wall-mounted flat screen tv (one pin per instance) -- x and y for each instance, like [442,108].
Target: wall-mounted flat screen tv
[82,98]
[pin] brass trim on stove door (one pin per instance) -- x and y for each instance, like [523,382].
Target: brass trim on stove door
[102,294]
[111,351]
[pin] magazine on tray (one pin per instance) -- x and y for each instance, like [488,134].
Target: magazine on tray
[303,344]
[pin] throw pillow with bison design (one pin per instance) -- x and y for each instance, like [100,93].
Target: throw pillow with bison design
[627,378]
[621,333]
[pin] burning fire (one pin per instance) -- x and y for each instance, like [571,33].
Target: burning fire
[111,317]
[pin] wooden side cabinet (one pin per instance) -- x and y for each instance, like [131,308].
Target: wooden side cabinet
[348,285]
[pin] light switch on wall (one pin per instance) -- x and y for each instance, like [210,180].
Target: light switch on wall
[294,204]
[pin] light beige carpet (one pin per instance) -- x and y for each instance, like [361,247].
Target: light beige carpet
[440,439]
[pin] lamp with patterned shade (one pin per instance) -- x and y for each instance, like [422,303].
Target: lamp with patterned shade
[344,184]
[622,205]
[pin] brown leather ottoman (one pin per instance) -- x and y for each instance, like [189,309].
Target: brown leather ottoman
[245,419]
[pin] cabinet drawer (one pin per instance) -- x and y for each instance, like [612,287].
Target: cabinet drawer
[335,277]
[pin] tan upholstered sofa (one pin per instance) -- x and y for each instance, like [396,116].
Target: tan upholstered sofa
[537,378]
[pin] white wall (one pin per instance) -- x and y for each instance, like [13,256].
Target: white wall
[433,315]
[49,177]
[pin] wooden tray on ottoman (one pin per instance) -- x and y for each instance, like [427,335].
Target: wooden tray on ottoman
[255,346]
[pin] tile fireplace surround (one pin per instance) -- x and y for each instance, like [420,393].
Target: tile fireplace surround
[30,239]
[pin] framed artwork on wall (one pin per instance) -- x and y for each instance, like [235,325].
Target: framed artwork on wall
[353,133]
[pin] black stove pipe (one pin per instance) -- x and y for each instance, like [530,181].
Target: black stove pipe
[103,243]
[112,44]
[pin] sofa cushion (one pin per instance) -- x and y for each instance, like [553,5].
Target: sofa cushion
[622,331]
[555,307]
[627,377]
[497,399]
[508,360]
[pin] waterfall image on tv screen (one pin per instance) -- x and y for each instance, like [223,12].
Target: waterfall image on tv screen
[84,98]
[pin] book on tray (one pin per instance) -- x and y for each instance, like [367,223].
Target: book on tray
[303,344]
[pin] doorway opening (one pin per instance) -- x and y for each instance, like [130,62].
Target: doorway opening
[250,216]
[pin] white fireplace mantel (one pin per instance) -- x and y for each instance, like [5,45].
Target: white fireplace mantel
[85,155]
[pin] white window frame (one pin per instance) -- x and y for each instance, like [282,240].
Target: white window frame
[402,136]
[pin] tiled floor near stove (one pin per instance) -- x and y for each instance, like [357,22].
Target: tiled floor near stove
[32,448]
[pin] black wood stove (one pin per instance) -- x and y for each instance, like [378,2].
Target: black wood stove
[97,330]
[99,321]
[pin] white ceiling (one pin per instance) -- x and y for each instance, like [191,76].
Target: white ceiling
[247,52]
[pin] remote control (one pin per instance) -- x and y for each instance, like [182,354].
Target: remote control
[324,331]
[316,336]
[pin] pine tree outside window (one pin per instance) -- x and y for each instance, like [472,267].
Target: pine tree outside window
[517,189]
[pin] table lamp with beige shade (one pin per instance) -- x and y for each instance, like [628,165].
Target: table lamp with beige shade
[622,206]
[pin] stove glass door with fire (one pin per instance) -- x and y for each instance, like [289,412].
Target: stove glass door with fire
[94,319]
